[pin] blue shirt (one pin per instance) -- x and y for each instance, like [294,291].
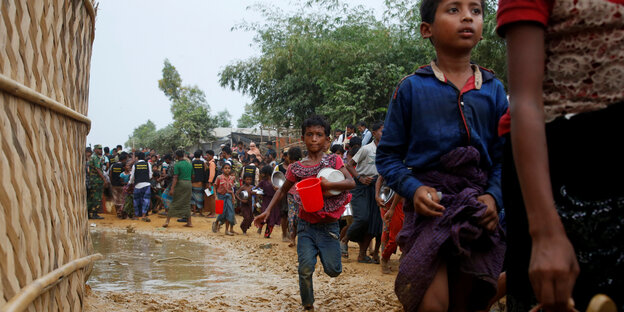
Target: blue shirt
[428,117]
[366,137]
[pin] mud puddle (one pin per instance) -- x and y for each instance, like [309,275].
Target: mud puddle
[143,263]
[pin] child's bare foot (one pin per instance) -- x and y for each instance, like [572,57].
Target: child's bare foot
[229,233]
[165,225]
[385,267]
[188,225]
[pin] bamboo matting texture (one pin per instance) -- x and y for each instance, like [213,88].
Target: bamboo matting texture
[45,55]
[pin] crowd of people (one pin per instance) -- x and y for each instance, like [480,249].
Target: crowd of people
[489,199]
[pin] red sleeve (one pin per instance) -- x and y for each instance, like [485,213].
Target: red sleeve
[290,176]
[339,163]
[511,11]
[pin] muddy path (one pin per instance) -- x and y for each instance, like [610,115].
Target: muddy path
[239,273]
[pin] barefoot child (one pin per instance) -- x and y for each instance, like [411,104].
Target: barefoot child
[269,191]
[245,203]
[392,215]
[294,155]
[441,135]
[224,185]
[317,232]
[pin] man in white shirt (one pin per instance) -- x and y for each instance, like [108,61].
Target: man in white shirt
[367,222]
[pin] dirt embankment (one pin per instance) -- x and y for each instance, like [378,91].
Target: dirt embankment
[360,287]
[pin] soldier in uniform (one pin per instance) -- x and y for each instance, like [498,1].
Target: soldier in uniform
[96,183]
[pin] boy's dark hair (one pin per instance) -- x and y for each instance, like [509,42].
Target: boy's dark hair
[255,161]
[315,120]
[167,157]
[269,143]
[336,148]
[266,170]
[88,150]
[106,149]
[294,153]
[198,153]
[428,9]
[248,175]
[361,124]
[226,149]
[272,153]
[179,153]
[355,141]
[119,147]
[377,125]
[139,155]
[350,126]
[210,152]
[123,156]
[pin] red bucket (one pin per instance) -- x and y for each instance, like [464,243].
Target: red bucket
[219,206]
[311,194]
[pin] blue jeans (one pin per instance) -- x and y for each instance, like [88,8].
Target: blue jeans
[317,239]
[142,200]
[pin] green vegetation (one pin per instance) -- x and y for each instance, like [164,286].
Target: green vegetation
[341,61]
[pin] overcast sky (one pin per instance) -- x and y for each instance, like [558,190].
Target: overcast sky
[133,38]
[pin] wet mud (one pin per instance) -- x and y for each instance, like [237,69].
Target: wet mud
[226,273]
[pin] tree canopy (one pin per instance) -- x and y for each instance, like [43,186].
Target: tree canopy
[192,121]
[338,60]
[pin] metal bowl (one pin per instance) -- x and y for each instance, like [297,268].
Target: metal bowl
[244,195]
[278,179]
[331,175]
[386,193]
[347,211]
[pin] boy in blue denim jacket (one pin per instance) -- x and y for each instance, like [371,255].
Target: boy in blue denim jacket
[444,106]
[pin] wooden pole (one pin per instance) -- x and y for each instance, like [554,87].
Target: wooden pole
[28,294]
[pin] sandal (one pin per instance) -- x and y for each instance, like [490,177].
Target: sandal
[375,258]
[366,259]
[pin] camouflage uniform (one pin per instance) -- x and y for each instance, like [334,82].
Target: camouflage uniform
[96,184]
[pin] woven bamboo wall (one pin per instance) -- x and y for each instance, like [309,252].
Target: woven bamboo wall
[45,54]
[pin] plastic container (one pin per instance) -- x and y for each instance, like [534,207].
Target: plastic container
[219,206]
[311,194]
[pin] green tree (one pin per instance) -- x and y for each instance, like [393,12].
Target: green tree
[223,119]
[142,136]
[167,140]
[337,60]
[191,112]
